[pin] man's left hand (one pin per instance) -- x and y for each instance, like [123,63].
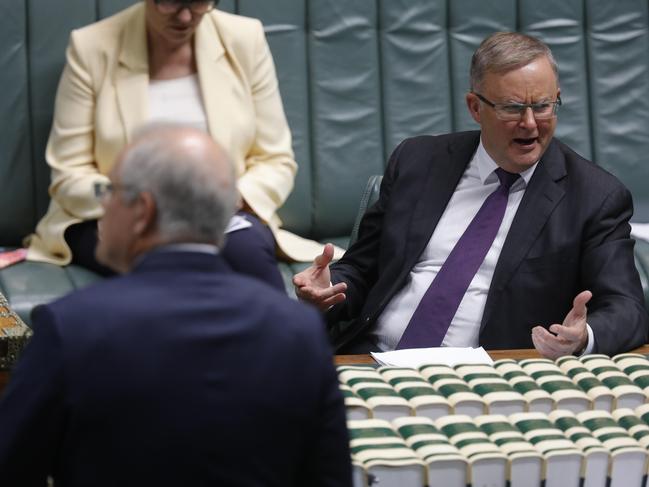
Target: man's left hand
[567,338]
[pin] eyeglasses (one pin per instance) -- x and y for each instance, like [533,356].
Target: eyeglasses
[510,112]
[104,189]
[199,7]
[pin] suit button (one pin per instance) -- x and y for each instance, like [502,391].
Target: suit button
[367,319]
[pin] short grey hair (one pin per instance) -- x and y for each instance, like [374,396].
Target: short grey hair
[194,190]
[505,51]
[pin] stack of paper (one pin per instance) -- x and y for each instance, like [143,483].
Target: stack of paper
[416,357]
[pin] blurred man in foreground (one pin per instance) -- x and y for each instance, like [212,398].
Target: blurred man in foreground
[179,372]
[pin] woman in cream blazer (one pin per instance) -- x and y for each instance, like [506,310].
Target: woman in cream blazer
[103,98]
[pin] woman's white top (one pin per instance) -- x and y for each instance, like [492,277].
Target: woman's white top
[177,100]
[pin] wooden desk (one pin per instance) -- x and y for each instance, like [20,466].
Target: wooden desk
[516,354]
[366,359]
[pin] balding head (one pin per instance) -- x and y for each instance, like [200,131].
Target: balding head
[172,184]
[190,178]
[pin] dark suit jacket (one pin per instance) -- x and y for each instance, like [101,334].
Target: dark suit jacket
[570,233]
[181,373]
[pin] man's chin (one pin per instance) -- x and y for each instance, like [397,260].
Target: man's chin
[526,157]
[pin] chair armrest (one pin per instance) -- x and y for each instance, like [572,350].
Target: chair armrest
[369,197]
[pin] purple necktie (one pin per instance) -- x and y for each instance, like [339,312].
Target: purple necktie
[439,304]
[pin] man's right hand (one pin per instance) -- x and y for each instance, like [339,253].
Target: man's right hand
[314,284]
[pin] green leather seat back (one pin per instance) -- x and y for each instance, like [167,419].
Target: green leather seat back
[618,53]
[356,78]
[17,198]
[285,25]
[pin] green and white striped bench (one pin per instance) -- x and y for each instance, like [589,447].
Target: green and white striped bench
[627,393]
[565,393]
[371,387]
[628,464]
[486,381]
[488,463]
[564,464]
[636,367]
[355,407]
[456,391]
[446,465]
[596,456]
[636,427]
[525,463]
[600,395]
[381,456]
[422,396]
[538,400]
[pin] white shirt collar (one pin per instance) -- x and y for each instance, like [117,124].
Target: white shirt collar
[190,247]
[487,166]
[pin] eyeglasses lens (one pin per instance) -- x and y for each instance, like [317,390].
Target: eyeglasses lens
[173,6]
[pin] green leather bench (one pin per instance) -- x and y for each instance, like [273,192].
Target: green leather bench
[357,76]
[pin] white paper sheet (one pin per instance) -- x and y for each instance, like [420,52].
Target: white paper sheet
[237,223]
[640,231]
[416,357]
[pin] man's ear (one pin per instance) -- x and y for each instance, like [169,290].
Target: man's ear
[145,214]
[473,104]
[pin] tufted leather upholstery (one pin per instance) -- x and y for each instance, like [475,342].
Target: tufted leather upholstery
[356,78]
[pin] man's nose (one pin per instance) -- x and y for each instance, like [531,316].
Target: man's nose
[527,118]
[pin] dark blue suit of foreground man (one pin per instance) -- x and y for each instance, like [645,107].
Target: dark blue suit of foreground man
[180,372]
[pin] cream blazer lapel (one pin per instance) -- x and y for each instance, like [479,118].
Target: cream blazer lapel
[214,72]
[132,75]
[216,81]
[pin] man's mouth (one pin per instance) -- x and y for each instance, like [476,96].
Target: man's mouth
[525,142]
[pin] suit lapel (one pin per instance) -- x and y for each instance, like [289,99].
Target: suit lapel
[442,178]
[541,197]
[215,76]
[132,75]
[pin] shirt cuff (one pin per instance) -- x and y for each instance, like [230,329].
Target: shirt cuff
[591,342]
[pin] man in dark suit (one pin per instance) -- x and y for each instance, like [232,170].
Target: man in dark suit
[179,372]
[563,242]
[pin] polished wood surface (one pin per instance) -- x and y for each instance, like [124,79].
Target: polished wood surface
[516,354]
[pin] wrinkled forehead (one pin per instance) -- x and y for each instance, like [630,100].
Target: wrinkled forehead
[536,78]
